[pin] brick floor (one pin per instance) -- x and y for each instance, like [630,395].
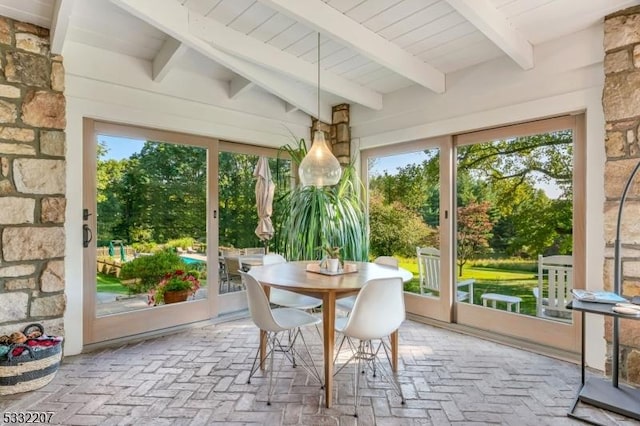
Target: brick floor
[199,377]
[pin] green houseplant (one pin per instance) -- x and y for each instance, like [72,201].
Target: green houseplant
[332,260]
[313,218]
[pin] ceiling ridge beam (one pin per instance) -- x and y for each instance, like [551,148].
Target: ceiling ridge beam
[168,56]
[172,18]
[59,25]
[494,25]
[344,30]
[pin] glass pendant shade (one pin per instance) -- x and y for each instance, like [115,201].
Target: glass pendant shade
[319,167]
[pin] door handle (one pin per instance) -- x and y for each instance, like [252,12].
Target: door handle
[87,235]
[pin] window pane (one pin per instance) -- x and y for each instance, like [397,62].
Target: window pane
[238,243]
[514,205]
[404,214]
[152,199]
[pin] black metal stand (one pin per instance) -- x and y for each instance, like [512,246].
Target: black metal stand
[598,392]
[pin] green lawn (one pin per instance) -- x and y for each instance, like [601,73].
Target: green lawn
[489,280]
[110,284]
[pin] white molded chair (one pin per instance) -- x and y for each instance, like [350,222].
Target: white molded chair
[346,303]
[378,312]
[273,322]
[551,301]
[429,270]
[285,298]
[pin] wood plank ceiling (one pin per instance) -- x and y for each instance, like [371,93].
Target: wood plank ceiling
[369,48]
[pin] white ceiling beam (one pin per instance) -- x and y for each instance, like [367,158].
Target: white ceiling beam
[344,30]
[173,18]
[289,108]
[59,24]
[250,49]
[168,56]
[170,17]
[483,15]
[276,84]
[238,85]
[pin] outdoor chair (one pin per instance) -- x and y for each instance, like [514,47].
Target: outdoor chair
[286,298]
[377,312]
[346,303]
[230,260]
[552,299]
[429,272]
[274,322]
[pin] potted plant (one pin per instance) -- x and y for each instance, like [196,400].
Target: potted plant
[332,258]
[174,287]
[311,218]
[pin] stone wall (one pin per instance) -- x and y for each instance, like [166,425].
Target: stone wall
[621,103]
[32,179]
[338,133]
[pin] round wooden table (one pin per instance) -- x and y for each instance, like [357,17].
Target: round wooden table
[294,276]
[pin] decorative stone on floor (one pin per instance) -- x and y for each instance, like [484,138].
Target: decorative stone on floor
[199,377]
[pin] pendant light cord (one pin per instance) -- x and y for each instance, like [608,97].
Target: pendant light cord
[318,125]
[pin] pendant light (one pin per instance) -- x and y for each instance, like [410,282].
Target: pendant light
[319,167]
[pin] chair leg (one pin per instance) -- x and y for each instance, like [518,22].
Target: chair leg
[391,375]
[312,363]
[356,379]
[366,355]
[288,350]
[271,371]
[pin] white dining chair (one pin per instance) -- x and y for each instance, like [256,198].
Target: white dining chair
[346,303]
[274,322]
[377,312]
[286,298]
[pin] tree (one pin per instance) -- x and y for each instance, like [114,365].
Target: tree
[237,200]
[538,158]
[176,189]
[474,231]
[109,174]
[396,230]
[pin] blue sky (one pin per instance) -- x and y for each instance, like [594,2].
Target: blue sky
[391,163]
[120,148]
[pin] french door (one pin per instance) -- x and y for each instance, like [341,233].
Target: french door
[148,195]
[491,202]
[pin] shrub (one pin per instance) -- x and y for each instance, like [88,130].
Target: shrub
[181,242]
[149,270]
[145,247]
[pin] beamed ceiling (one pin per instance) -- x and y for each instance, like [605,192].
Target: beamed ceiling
[369,48]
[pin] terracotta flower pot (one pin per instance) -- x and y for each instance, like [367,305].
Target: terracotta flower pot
[175,296]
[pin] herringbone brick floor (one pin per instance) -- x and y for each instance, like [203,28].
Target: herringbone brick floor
[199,377]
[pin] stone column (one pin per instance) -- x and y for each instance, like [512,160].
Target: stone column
[338,133]
[621,103]
[341,133]
[32,179]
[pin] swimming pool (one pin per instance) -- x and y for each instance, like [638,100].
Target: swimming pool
[193,261]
